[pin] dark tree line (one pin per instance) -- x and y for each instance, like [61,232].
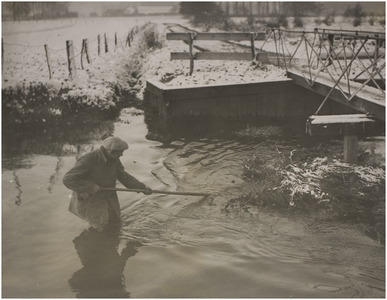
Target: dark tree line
[202,9]
[38,10]
[290,9]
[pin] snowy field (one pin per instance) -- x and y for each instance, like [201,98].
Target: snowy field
[25,58]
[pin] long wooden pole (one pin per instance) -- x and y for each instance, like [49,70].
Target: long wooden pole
[86,41]
[99,45]
[48,61]
[106,43]
[82,51]
[191,55]
[155,192]
[71,59]
[252,46]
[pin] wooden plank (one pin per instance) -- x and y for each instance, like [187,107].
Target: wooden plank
[211,56]
[224,107]
[154,88]
[191,107]
[350,149]
[341,119]
[239,89]
[233,106]
[215,107]
[262,56]
[260,36]
[251,106]
[188,107]
[177,108]
[261,105]
[339,34]
[340,56]
[365,101]
[271,106]
[380,82]
[151,99]
[196,107]
[219,36]
[242,106]
[163,110]
[312,101]
[206,107]
[294,103]
[338,124]
[279,106]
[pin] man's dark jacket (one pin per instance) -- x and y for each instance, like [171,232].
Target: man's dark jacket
[91,171]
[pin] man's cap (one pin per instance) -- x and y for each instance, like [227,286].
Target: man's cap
[115,143]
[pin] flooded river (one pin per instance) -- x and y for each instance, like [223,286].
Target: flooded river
[169,246]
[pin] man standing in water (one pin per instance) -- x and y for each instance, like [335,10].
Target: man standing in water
[94,171]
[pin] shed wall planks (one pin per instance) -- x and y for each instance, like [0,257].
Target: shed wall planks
[272,100]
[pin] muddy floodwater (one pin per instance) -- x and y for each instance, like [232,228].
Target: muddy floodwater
[169,246]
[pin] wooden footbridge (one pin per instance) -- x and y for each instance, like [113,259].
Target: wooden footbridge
[347,67]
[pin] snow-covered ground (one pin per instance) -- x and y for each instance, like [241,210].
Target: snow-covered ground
[25,59]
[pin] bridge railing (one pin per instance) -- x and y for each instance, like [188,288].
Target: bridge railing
[352,60]
[191,55]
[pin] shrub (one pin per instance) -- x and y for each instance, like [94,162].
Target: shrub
[371,19]
[298,22]
[281,21]
[356,12]
[329,19]
[248,25]
[150,39]
[227,25]
[260,132]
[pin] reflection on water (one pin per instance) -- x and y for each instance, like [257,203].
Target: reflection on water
[52,140]
[54,177]
[19,144]
[18,187]
[102,273]
[189,247]
[163,130]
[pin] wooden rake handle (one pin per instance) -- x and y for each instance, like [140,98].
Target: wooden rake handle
[155,192]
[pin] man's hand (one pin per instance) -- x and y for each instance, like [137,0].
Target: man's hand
[87,196]
[95,189]
[147,191]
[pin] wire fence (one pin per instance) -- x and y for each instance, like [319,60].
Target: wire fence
[50,62]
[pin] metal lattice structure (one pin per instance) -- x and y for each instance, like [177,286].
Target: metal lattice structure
[351,62]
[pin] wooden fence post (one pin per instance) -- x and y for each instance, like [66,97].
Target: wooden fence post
[86,41]
[115,41]
[106,44]
[82,51]
[350,148]
[99,45]
[48,61]
[252,46]
[2,52]
[191,55]
[128,40]
[71,60]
